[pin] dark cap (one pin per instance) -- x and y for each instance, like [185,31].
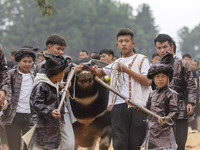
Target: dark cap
[164,66]
[160,68]
[55,64]
[25,52]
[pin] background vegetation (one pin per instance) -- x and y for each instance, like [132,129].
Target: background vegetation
[85,24]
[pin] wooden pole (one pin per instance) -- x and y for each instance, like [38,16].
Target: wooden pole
[132,103]
[69,78]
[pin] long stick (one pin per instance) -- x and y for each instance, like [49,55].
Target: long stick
[69,78]
[124,97]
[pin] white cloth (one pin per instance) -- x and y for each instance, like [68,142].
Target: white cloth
[25,92]
[139,92]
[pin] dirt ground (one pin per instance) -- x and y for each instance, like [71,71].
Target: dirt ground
[193,141]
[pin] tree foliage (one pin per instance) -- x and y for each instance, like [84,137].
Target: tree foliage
[85,24]
[147,30]
[189,41]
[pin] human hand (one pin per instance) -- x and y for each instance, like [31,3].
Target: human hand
[79,68]
[94,70]
[56,113]
[5,105]
[190,109]
[2,97]
[163,120]
[121,67]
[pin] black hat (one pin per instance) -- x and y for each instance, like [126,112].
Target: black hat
[164,66]
[55,64]
[24,52]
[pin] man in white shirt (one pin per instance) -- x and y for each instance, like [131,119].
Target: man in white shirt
[128,125]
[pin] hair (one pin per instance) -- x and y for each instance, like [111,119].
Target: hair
[56,39]
[125,32]
[96,57]
[13,53]
[173,42]
[95,52]
[154,55]
[196,61]
[84,50]
[187,55]
[163,38]
[107,51]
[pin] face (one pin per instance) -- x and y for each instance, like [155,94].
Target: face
[59,76]
[161,80]
[83,55]
[40,59]
[106,58]
[163,47]
[155,59]
[25,64]
[188,60]
[56,49]
[125,44]
[194,66]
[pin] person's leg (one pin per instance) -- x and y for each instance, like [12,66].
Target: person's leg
[13,133]
[137,131]
[120,126]
[67,134]
[181,133]
[25,126]
[4,141]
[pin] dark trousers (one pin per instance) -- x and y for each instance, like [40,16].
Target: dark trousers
[3,136]
[128,127]
[19,127]
[181,133]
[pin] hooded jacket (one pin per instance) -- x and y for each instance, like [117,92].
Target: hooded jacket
[44,99]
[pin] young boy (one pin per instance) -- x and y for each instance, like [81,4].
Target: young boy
[128,125]
[155,58]
[55,44]
[17,110]
[106,55]
[45,100]
[162,101]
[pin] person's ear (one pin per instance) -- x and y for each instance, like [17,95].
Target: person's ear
[133,43]
[117,43]
[48,47]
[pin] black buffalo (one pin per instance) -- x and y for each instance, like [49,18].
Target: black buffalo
[89,101]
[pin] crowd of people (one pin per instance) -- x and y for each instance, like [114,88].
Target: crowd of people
[30,86]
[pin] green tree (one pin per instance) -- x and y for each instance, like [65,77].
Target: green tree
[85,24]
[146,30]
[189,41]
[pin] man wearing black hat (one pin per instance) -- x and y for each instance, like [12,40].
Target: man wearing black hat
[183,83]
[17,108]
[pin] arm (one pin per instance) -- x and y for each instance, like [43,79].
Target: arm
[190,89]
[3,75]
[173,106]
[142,79]
[173,110]
[94,70]
[37,100]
